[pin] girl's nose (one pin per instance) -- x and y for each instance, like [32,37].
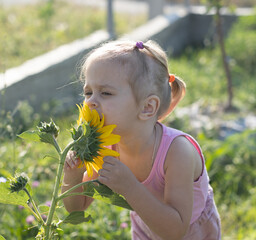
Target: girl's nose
[92,102]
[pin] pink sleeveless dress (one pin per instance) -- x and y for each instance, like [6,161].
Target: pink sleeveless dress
[205,220]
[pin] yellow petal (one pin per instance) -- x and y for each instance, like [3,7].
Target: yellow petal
[104,136]
[106,131]
[101,122]
[81,164]
[87,115]
[110,140]
[108,152]
[97,164]
[95,118]
[89,169]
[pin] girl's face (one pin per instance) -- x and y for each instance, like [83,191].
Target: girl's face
[107,90]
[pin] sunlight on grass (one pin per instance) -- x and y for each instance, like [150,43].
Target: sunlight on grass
[30,30]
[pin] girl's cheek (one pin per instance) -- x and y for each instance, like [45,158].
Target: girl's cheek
[109,122]
[108,117]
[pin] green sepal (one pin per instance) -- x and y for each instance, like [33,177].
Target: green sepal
[46,138]
[76,133]
[102,192]
[88,145]
[77,217]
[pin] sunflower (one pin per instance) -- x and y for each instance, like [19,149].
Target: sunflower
[92,138]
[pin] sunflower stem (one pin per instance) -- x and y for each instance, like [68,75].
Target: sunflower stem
[68,192]
[56,188]
[57,147]
[36,212]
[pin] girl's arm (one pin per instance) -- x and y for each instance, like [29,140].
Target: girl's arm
[73,176]
[169,219]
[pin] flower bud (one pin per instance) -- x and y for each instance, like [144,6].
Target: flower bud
[18,183]
[50,127]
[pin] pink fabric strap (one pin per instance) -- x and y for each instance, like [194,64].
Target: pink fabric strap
[195,145]
[198,150]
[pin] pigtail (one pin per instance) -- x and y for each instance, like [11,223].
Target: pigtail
[178,91]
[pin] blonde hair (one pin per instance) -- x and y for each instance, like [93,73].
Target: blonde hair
[145,69]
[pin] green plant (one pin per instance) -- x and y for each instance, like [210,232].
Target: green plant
[231,165]
[16,121]
[47,11]
[241,45]
[16,190]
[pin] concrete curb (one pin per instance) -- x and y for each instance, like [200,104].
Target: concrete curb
[48,77]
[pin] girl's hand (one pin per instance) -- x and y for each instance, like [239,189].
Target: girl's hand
[117,176]
[72,162]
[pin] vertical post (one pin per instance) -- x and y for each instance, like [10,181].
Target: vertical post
[155,8]
[224,57]
[110,19]
[187,4]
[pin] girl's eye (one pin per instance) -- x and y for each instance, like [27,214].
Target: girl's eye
[106,93]
[87,93]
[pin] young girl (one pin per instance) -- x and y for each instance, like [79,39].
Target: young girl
[161,170]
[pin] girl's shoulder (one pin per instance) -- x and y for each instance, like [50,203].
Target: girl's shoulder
[171,136]
[169,133]
[181,148]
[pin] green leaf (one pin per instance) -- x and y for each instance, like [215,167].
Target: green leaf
[30,136]
[105,194]
[46,137]
[43,209]
[77,217]
[2,238]
[6,197]
[37,136]
[5,173]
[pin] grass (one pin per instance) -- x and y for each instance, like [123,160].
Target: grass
[30,30]
[203,73]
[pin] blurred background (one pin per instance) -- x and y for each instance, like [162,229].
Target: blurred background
[211,44]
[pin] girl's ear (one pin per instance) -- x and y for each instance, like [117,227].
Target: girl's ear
[149,107]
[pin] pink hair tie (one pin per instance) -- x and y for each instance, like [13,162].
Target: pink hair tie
[171,78]
[139,45]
